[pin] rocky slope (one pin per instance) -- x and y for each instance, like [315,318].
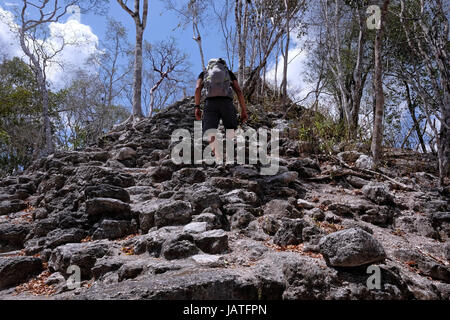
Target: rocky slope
[139,226]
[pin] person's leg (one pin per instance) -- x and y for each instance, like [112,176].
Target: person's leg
[228,114]
[210,120]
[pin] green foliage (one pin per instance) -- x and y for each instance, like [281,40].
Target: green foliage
[83,114]
[4,137]
[79,137]
[320,129]
[20,110]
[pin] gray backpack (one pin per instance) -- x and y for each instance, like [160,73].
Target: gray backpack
[217,82]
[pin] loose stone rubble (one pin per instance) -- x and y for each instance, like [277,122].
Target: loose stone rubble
[139,226]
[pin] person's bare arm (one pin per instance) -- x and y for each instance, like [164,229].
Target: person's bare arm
[198,91]
[197,97]
[240,95]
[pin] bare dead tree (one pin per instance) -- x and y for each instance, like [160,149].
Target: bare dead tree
[430,26]
[377,134]
[286,55]
[412,111]
[194,9]
[112,74]
[277,53]
[32,34]
[192,13]
[33,18]
[228,32]
[86,115]
[168,63]
[350,92]
[238,17]
[274,20]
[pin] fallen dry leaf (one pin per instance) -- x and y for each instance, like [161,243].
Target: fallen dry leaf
[131,236]
[87,239]
[128,251]
[293,248]
[37,286]
[329,227]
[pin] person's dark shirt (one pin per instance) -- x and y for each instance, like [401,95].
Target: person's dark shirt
[232,76]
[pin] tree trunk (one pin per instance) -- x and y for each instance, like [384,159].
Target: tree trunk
[238,20]
[198,39]
[412,112]
[112,73]
[286,57]
[40,77]
[152,94]
[137,76]
[377,136]
[337,68]
[350,92]
[276,73]
[137,72]
[49,147]
[428,45]
[244,43]
[253,77]
[444,161]
[358,80]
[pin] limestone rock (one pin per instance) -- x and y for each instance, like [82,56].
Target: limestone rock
[290,232]
[213,241]
[175,213]
[113,208]
[378,193]
[14,270]
[125,153]
[365,162]
[179,247]
[107,191]
[351,247]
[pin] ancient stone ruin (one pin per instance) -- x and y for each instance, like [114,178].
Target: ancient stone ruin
[135,225]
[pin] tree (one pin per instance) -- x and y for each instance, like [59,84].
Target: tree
[241,20]
[168,63]
[84,112]
[20,110]
[112,74]
[193,12]
[229,35]
[428,21]
[33,18]
[194,8]
[39,55]
[397,64]
[292,8]
[411,104]
[377,135]
[272,16]
[140,24]
[344,51]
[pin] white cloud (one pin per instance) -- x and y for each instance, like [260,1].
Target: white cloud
[80,41]
[9,44]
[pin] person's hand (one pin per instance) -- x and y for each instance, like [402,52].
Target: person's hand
[244,116]
[198,114]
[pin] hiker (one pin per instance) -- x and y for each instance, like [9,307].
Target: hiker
[218,81]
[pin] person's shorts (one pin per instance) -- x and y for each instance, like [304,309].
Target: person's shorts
[216,109]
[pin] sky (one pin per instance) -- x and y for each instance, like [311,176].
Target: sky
[161,25]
